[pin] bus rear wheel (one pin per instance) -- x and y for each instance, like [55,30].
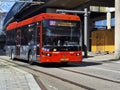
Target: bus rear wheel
[30,58]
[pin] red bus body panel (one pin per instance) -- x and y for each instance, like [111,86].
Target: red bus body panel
[41,17]
[62,57]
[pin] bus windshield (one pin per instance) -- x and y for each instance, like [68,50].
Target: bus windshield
[61,33]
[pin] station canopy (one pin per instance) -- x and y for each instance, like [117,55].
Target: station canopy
[23,10]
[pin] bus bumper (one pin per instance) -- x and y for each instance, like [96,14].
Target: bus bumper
[57,57]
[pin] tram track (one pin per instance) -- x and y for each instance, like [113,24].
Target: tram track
[63,79]
[36,76]
[94,76]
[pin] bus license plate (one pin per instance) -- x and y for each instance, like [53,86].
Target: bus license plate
[64,59]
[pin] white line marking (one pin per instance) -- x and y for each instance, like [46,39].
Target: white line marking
[53,87]
[117,62]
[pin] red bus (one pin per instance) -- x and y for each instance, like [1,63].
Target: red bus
[45,38]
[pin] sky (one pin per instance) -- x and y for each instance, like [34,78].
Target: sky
[5,6]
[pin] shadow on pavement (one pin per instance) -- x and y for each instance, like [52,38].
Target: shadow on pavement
[58,65]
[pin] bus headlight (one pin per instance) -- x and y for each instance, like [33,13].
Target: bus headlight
[46,54]
[78,54]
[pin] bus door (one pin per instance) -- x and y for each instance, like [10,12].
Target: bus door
[18,43]
[38,42]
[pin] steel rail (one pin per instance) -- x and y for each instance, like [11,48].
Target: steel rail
[90,75]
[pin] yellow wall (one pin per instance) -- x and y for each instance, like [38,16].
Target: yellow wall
[103,41]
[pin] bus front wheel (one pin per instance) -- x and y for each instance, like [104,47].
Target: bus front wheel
[30,58]
[12,55]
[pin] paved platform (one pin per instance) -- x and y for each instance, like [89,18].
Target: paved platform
[12,78]
[101,57]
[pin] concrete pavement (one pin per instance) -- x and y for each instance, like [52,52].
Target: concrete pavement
[100,57]
[12,78]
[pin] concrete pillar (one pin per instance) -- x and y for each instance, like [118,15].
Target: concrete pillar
[86,40]
[117,29]
[108,20]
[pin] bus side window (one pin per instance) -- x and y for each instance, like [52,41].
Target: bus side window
[31,34]
[38,35]
[38,39]
[38,32]
[24,40]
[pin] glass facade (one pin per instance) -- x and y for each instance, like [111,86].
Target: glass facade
[14,10]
